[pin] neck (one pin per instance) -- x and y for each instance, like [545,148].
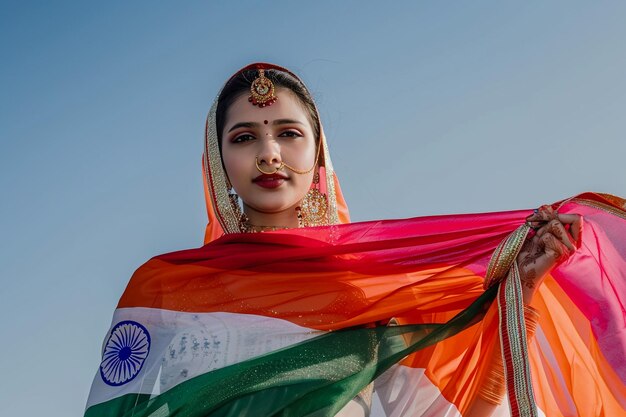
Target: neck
[287,219]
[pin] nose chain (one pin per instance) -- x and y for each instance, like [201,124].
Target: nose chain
[289,167]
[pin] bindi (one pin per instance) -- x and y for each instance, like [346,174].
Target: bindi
[265,122]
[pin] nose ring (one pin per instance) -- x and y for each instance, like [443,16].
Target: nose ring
[258,167]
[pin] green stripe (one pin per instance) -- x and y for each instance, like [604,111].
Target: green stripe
[313,378]
[118,406]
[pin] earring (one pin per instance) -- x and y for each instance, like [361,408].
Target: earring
[313,207]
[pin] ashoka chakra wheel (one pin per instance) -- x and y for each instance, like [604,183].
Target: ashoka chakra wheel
[125,352]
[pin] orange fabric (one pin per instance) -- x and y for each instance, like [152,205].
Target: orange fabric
[564,334]
[188,288]
[420,271]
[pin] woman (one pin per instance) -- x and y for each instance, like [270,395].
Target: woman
[305,321]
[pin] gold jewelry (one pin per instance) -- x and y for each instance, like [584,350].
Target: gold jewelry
[494,387]
[531,318]
[299,214]
[258,167]
[297,171]
[289,167]
[247,227]
[262,91]
[313,207]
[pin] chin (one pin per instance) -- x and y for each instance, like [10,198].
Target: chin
[274,207]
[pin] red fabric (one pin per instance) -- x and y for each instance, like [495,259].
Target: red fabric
[423,270]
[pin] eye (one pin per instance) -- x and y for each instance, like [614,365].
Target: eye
[290,134]
[242,138]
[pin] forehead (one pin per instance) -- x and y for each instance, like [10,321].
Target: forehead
[287,106]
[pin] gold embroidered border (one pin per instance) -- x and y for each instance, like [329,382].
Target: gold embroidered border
[333,216]
[504,256]
[613,199]
[513,339]
[216,177]
[601,206]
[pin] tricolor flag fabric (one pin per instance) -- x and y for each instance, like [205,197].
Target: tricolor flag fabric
[298,322]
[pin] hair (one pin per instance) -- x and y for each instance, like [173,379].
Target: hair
[240,83]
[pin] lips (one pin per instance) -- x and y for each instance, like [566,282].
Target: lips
[270,180]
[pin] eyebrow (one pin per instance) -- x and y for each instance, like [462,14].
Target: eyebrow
[242,124]
[286,122]
[255,124]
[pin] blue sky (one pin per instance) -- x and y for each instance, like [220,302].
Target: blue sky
[428,107]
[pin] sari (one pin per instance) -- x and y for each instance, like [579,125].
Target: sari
[298,322]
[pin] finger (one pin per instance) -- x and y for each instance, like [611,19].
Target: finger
[553,247]
[545,228]
[542,214]
[551,213]
[558,230]
[568,218]
[535,221]
[537,216]
[576,223]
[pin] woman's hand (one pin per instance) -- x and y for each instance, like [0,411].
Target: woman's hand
[556,238]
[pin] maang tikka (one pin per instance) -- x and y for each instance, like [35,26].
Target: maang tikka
[262,91]
[313,207]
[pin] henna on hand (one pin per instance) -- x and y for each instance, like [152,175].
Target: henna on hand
[529,253]
[552,243]
[528,279]
[527,261]
[558,230]
[553,247]
[542,215]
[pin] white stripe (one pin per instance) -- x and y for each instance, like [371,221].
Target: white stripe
[403,391]
[185,345]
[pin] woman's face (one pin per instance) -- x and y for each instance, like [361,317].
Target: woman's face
[280,133]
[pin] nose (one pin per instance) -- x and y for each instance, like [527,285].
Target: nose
[269,152]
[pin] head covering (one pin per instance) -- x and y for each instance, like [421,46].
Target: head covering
[222,218]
